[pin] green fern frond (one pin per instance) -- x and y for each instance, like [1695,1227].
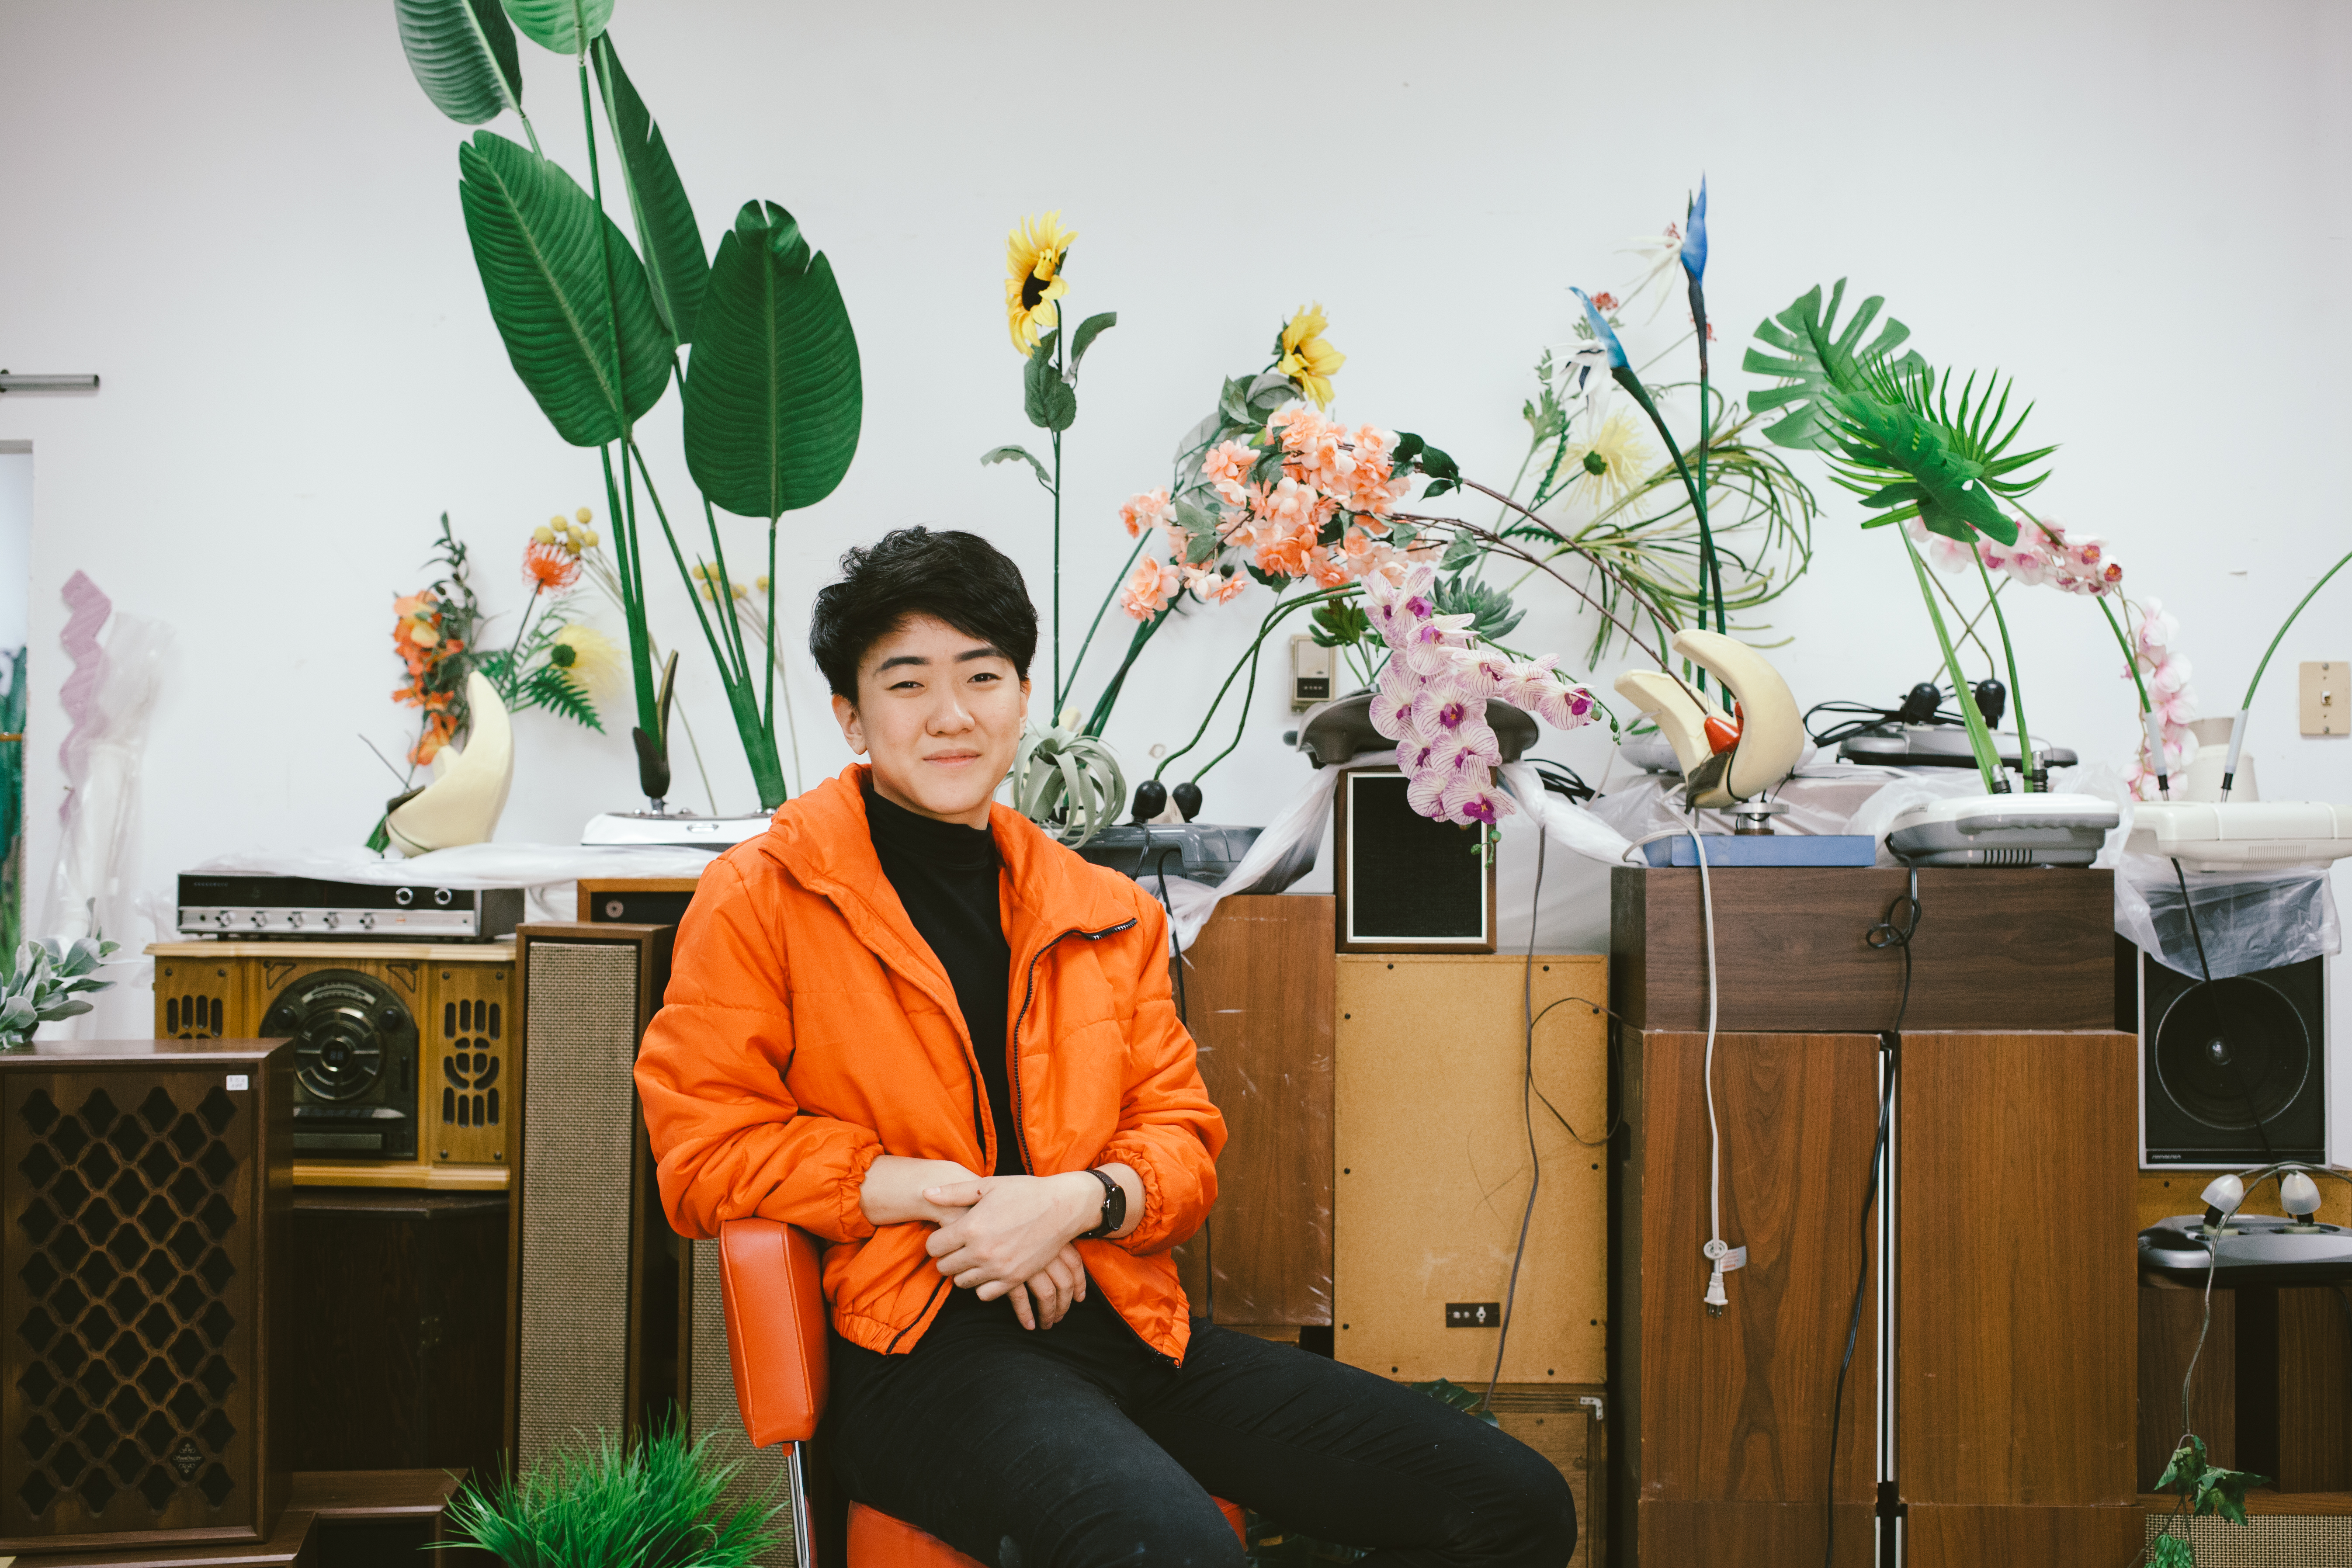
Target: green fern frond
[554,690]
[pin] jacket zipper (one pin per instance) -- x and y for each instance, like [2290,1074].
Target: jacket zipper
[919,1317]
[1028,991]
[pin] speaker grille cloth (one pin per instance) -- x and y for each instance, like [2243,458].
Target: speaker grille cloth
[2264,1540]
[761,1476]
[581,1040]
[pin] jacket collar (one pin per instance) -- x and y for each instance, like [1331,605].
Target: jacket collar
[822,840]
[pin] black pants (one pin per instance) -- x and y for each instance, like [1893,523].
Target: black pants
[1079,1447]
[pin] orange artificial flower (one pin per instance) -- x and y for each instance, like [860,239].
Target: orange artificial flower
[549,566]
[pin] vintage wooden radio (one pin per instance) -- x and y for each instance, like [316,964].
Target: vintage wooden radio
[402,1051]
[144,1292]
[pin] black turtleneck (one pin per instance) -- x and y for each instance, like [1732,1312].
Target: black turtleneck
[946,874]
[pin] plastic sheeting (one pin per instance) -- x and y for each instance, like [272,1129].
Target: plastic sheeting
[2248,921]
[1296,832]
[547,872]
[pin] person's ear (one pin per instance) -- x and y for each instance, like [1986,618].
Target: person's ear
[1024,702]
[845,713]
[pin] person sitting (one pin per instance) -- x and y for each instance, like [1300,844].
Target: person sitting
[909,1022]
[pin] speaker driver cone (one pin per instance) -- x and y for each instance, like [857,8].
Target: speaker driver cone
[2233,1054]
[345,1027]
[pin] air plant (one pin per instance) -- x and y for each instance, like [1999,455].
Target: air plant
[1067,780]
[46,982]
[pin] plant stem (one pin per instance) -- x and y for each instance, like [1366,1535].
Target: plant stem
[2016,686]
[1240,723]
[2248,703]
[1708,567]
[1058,575]
[1320,597]
[1979,737]
[2131,657]
[633,606]
[769,638]
[1079,663]
[528,130]
[513,678]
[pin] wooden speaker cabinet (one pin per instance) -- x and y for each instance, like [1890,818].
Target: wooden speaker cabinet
[444,1060]
[1431,1138]
[144,1285]
[594,1277]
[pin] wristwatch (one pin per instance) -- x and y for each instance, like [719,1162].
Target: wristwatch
[1114,1209]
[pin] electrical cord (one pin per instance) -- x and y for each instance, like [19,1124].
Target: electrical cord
[1895,932]
[1185,1016]
[1717,1252]
[2245,1092]
[1527,1109]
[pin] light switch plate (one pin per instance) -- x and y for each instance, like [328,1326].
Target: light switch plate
[2325,702]
[1311,668]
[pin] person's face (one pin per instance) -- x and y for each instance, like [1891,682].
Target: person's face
[938,713]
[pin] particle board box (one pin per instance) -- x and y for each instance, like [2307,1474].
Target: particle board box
[1432,1117]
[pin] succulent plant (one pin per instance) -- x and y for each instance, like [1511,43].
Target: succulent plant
[46,983]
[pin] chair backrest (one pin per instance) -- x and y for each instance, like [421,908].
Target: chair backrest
[772,1279]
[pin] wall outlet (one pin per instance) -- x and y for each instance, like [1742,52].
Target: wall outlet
[2326,704]
[1474,1314]
[1311,668]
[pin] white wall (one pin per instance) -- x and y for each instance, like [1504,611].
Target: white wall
[244,217]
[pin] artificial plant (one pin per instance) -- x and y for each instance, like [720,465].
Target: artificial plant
[46,982]
[655,1502]
[1896,437]
[757,337]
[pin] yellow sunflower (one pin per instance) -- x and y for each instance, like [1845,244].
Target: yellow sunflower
[1613,461]
[1033,253]
[586,655]
[1303,355]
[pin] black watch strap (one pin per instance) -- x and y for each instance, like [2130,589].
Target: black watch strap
[1114,1209]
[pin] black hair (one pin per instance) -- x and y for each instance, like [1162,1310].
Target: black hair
[959,577]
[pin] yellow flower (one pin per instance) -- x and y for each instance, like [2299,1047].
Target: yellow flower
[543,534]
[588,656]
[583,517]
[1033,253]
[1613,461]
[1306,358]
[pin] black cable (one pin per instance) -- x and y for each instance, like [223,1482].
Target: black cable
[1615,1120]
[1561,780]
[1895,932]
[1185,1016]
[2245,1092]
[1528,1111]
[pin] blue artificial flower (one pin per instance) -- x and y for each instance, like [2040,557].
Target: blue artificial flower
[1695,241]
[1603,332]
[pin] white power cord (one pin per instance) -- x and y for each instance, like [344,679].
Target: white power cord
[1721,1256]
[1718,1252]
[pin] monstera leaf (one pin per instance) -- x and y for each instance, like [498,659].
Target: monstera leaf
[1818,358]
[463,53]
[672,246]
[774,398]
[536,241]
[566,27]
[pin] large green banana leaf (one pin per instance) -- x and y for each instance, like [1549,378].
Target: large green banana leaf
[535,235]
[1818,359]
[567,26]
[464,56]
[666,235]
[774,398]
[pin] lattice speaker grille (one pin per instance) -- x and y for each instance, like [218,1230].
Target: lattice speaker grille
[581,1040]
[712,1411]
[127,1305]
[2264,1540]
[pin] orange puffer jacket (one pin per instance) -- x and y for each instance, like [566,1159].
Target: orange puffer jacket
[808,1030]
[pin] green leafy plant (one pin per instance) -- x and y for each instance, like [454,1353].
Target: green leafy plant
[12,804]
[1896,437]
[600,1502]
[47,982]
[773,395]
[1067,780]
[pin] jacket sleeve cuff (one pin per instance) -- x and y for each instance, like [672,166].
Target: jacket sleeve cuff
[1152,1230]
[854,1225]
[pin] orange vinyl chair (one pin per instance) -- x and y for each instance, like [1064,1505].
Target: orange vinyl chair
[772,1279]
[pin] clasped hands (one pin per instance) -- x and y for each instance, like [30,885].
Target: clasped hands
[994,1236]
